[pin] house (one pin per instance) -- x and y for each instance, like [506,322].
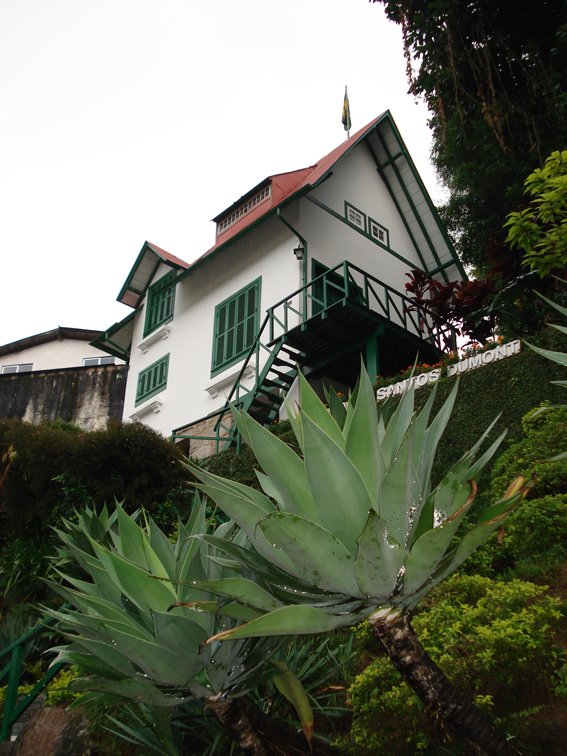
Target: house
[60,375]
[307,271]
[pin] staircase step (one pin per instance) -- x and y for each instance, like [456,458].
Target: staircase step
[278,384]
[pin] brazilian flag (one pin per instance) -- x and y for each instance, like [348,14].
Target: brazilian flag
[346,113]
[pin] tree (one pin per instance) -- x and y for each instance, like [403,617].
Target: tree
[354,528]
[540,230]
[494,76]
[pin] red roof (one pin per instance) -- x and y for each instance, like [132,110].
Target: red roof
[286,185]
[167,255]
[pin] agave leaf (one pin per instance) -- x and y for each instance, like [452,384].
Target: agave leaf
[316,554]
[260,566]
[135,546]
[290,620]
[142,589]
[336,407]
[232,487]
[162,547]
[283,466]
[248,516]
[137,690]
[476,468]
[379,559]
[157,662]
[107,653]
[430,548]
[399,497]
[556,306]
[270,489]
[362,442]
[86,662]
[243,590]
[434,433]
[289,685]
[312,406]
[559,357]
[560,328]
[181,635]
[397,426]
[334,480]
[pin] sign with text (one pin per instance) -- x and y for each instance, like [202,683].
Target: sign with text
[456,368]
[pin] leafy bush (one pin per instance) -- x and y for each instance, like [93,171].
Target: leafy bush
[493,639]
[59,468]
[532,545]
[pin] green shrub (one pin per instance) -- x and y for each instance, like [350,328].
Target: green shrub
[58,469]
[531,545]
[544,436]
[492,639]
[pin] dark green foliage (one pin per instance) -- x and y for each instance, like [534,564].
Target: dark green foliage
[494,76]
[57,469]
[509,388]
[545,435]
[492,639]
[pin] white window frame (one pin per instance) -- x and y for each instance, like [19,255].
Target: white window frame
[378,232]
[22,367]
[355,217]
[102,360]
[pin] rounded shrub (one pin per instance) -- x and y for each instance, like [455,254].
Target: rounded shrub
[494,640]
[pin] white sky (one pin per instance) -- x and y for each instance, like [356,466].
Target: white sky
[127,120]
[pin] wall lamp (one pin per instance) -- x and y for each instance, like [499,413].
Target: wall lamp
[299,251]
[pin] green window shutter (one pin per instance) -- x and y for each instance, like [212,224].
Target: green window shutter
[152,380]
[160,303]
[236,325]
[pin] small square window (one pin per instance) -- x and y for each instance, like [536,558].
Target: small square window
[355,217]
[378,232]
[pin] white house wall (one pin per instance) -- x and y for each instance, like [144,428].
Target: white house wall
[58,353]
[356,180]
[265,252]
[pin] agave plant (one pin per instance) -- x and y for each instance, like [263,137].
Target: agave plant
[135,622]
[353,528]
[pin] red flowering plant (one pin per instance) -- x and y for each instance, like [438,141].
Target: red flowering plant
[461,305]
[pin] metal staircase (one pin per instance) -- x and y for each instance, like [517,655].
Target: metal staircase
[322,327]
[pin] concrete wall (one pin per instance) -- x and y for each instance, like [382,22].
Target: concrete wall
[89,397]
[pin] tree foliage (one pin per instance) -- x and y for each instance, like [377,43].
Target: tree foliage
[540,230]
[494,76]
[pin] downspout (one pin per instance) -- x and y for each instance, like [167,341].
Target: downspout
[304,261]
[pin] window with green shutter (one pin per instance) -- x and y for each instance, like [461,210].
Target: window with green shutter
[160,303]
[152,380]
[236,325]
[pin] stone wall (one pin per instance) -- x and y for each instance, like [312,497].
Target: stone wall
[87,396]
[200,448]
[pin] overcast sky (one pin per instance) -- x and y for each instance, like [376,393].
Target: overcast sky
[127,120]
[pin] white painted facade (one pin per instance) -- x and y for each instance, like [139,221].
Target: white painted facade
[56,353]
[263,249]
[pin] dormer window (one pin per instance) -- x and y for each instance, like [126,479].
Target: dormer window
[242,209]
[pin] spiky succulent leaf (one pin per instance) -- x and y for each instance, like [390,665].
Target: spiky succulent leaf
[317,555]
[333,479]
[379,561]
